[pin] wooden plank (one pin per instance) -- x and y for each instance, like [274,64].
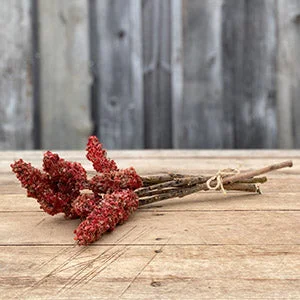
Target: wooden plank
[158,272]
[171,161]
[65,79]
[172,227]
[157,73]
[177,70]
[153,162]
[13,199]
[119,63]
[201,118]
[227,247]
[248,155]
[16,103]
[249,62]
[288,76]
[196,163]
[232,50]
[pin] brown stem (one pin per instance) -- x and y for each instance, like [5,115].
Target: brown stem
[187,181]
[249,174]
[155,179]
[156,192]
[184,183]
[252,188]
[150,180]
[262,179]
[237,182]
[190,190]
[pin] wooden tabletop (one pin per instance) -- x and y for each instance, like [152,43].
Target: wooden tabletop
[204,246]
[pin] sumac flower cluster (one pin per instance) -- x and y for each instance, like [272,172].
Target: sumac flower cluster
[61,187]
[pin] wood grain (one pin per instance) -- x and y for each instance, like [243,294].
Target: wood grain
[288,76]
[177,70]
[207,245]
[205,201]
[249,59]
[157,73]
[186,227]
[16,86]
[202,87]
[141,272]
[119,67]
[64,70]
[164,74]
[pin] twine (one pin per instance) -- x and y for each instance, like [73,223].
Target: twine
[219,178]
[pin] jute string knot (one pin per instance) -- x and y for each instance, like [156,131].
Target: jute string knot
[219,179]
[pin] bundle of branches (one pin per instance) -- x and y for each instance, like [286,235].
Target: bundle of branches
[160,187]
[108,198]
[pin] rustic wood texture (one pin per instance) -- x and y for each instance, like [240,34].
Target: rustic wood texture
[207,245]
[177,70]
[249,72]
[119,65]
[202,87]
[64,70]
[157,73]
[149,73]
[288,74]
[16,107]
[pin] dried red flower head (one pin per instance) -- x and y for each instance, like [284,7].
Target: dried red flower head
[69,177]
[58,190]
[97,155]
[113,210]
[115,181]
[85,204]
[36,183]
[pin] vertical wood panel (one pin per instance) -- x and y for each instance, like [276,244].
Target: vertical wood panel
[157,73]
[16,117]
[36,75]
[65,78]
[249,44]
[177,70]
[288,73]
[201,119]
[119,61]
[168,73]
[233,53]
[93,33]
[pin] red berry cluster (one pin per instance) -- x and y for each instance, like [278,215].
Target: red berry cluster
[114,209]
[59,190]
[57,187]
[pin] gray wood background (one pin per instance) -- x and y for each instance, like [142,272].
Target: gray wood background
[150,73]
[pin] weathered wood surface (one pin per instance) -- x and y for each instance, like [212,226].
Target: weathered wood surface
[157,73]
[16,87]
[64,70]
[249,72]
[119,71]
[288,74]
[207,245]
[177,70]
[164,73]
[202,87]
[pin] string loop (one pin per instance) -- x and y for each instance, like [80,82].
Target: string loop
[219,179]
